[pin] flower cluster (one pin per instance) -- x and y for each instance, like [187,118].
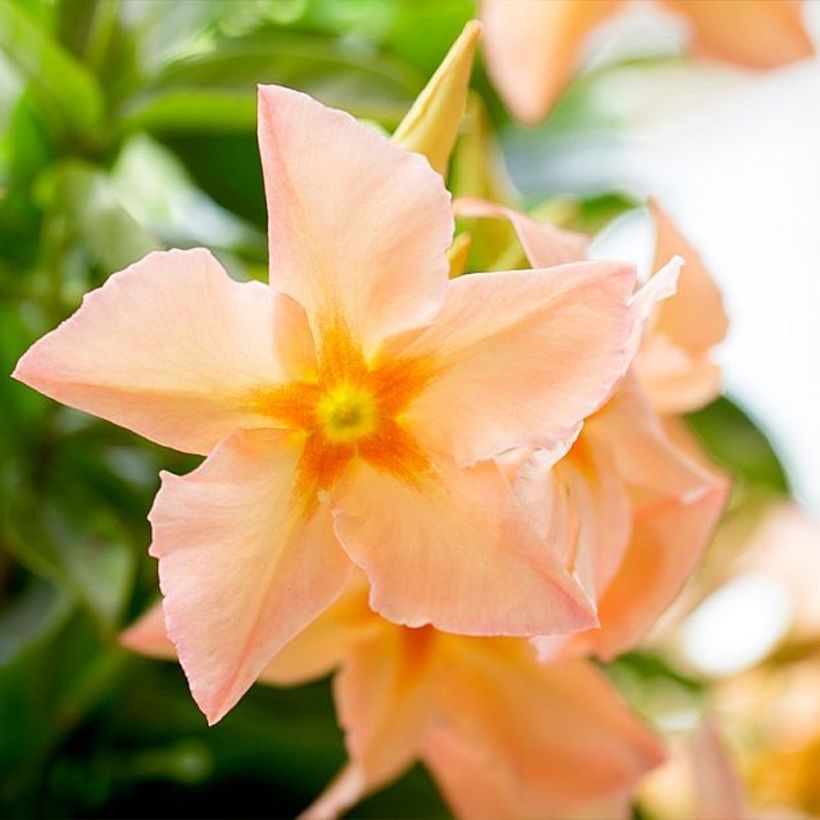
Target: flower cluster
[453,489]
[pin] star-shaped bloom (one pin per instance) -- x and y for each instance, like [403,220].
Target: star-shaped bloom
[503,734]
[351,410]
[634,496]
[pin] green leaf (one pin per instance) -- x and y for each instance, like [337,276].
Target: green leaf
[88,556]
[30,617]
[216,91]
[733,440]
[83,196]
[192,110]
[68,86]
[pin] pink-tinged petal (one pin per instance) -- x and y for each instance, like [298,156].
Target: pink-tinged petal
[517,739]
[457,552]
[533,48]
[544,244]
[581,507]
[757,34]
[673,363]
[695,318]
[674,380]
[718,791]
[323,645]
[241,568]
[677,504]
[383,697]
[171,348]
[148,636]
[661,286]
[344,791]
[603,513]
[314,652]
[383,700]
[358,227]
[523,357]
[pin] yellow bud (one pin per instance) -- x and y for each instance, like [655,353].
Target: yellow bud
[430,127]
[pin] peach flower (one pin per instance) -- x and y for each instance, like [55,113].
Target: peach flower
[636,507]
[350,411]
[533,47]
[503,735]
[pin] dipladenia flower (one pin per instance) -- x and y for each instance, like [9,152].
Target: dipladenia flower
[632,496]
[350,411]
[503,735]
[533,47]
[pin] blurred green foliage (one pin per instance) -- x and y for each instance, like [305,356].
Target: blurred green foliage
[127,125]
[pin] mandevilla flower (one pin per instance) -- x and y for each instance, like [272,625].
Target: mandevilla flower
[632,497]
[351,411]
[533,47]
[504,735]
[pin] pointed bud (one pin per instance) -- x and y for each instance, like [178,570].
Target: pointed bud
[431,125]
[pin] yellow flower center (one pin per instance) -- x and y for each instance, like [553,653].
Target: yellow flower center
[347,413]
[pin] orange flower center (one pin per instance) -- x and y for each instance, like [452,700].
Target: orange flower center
[347,413]
[352,409]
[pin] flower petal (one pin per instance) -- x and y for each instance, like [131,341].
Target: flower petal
[517,739]
[241,569]
[524,356]
[673,362]
[603,513]
[358,227]
[170,347]
[456,552]
[532,48]
[148,636]
[322,645]
[757,33]
[382,696]
[718,790]
[317,650]
[544,244]
[676,504]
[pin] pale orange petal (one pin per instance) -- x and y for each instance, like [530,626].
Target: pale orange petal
[603,513]
[358,227]
[241,569]
[673,363]
[383,700]
[324,644]
[533,48]
[544,244]
[344,791]
[718,791]
[676,381]
[523,357]
[676,504]
[754,33]
[456,552]
[649,299]
[148,636]
[314,652]
[171,348]
[517,739]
